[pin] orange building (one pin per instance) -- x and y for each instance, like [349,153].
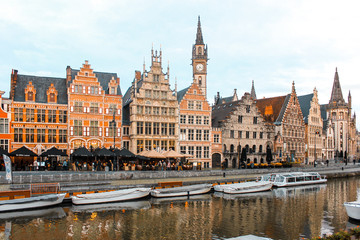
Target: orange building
[38,113]
[195,111]
[5,117]
[94,104]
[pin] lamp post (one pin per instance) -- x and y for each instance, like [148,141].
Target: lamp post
[316,132]
[113,124]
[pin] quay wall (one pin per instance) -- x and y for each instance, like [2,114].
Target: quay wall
[148,177]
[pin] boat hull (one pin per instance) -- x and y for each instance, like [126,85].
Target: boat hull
[114,196]
[353,210]
[181,191]
[291,184]
[32,202]
[248,189]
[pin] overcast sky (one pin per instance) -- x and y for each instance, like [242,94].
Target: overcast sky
[271,42]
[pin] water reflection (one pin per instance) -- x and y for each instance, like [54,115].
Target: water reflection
[286,213]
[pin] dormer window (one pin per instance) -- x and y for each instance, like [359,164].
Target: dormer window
[52,97]
[30,96]
[112,90]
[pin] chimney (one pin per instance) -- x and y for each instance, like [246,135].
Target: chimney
[68,74]
[14,76]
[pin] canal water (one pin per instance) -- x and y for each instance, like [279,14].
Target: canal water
[286,213]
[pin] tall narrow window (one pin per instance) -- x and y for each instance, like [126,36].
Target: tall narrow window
[18,135]
[52,97]
[30,96]
[78,128]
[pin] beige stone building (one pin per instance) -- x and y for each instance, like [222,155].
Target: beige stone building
[243,127]
[314,135]
[285,113]
[151,110]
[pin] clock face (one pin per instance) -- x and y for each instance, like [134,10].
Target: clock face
[199,67]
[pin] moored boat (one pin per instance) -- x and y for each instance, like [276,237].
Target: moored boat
[244,187]
[113,196]
[297,179]
[181,191]
[353,209]
[31,202]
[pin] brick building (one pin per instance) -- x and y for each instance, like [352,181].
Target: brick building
[5,119]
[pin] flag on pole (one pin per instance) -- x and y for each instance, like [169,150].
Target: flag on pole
[7,162]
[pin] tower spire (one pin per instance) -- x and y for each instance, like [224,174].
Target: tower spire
[253,93]
[336,93]
[199,37]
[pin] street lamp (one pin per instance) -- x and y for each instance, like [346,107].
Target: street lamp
[113,124]
[316,132]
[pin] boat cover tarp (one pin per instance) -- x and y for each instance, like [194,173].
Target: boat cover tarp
[49,197]
[112,194]
[184,188]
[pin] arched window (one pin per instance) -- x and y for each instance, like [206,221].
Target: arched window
[247,148]
[200,80]
[199,51]
[254,148]
[260,148]
[231,148]
[224,148]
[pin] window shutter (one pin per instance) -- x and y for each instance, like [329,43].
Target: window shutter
[107,132]
[100,110]
[99,90]
[100,132]
[89,90]
[107,111]
[118,132]
[84,89]
[71,109]
[84,109]
[71,131]
[88,109]
[88,131]
[72,88]
[84,132]
[118,111]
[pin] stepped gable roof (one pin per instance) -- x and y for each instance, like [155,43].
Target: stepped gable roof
[221,112]
[181,94]
[305,104]
[103,78]
[41,85]
[272,109]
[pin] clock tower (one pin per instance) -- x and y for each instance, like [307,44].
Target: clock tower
[199,60]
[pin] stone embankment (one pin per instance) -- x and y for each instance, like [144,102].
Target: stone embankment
[92,181]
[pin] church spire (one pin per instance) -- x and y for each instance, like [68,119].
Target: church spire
[199,37]
[253,94]
[336,93]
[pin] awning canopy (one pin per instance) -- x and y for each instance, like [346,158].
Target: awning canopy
[81,152]
[124,153]
[172,154]
[23,151]
[151,154]
[53,152]
[103,152]
[3,151]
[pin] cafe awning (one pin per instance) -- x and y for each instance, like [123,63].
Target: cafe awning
[53,152]
[172,154]
[23,151]
[152,154]
[3,151]
[81,152]
[124,153]
[103,152]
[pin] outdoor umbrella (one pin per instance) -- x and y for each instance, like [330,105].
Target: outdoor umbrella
[23,151]
[3,151]
[103,152]
[81,152]
[53,152]
[172,154]
[124,153]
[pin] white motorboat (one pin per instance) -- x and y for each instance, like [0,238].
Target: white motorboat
[353,209]
[31,202]
[244,187]
[181,191]
[297,179]
[113,196]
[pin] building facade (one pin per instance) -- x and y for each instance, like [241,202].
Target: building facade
[39,112]
[243,127]
[95,108]
[5,119]
[151,110]
[195,111]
